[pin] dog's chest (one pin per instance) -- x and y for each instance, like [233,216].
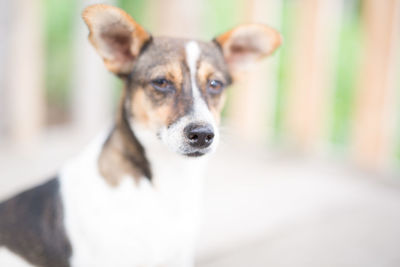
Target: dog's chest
[135,223]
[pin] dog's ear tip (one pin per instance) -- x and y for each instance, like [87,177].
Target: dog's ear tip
[91,11]
[88,12]
[97,7]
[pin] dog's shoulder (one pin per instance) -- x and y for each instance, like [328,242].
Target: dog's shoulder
[31,225]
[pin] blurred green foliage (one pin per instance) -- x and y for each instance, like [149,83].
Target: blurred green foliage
[136,8]
[398,122]
[288,28]
[220,16]
[59,19]
[348,61]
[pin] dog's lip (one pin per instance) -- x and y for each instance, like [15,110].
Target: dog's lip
[195,154]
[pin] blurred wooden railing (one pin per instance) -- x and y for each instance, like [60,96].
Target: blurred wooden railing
[252,105]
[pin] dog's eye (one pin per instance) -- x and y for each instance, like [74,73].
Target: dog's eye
[163,85]
[215,86]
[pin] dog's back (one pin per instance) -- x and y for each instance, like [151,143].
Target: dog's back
[31,226]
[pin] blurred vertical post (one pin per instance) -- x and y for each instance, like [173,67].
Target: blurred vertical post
[25,86]
[374,122]
[312,71]
[92,91]
[4,33]
[253,100]
[177,18]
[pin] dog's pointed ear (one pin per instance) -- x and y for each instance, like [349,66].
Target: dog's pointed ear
[115,35]
[246,44]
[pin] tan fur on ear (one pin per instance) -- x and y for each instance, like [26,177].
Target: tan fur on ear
[248,43]
[115,35]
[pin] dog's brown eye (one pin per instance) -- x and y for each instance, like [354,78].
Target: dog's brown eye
[163,85]
[215,86]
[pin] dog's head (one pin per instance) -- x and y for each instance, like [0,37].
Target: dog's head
[175,87]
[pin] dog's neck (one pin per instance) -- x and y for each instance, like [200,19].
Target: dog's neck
[122,154]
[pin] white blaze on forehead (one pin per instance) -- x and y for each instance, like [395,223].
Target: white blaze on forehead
[200,108]
[192,56]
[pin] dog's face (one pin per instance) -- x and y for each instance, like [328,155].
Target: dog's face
[175,87]
[177,91]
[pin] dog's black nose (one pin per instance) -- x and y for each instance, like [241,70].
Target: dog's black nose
[199,135]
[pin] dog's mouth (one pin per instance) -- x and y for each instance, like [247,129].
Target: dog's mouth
[195,154]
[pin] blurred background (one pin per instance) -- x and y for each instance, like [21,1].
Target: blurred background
[308,172]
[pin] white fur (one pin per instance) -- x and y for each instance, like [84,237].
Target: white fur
[135,224]
[192,50]
[9,259]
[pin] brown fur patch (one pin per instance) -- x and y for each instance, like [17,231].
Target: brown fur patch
[205,73]
[171,71]
[217,107]
[114,161]
[122,154]
[147,114]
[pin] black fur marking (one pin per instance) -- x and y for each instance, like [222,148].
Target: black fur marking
[214,41]
[138,159]
[32,226]
[146,45]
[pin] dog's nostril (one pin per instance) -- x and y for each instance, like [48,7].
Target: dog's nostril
[209,137]
[198,135]
[193,137]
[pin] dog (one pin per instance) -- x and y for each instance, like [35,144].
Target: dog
[133,196]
